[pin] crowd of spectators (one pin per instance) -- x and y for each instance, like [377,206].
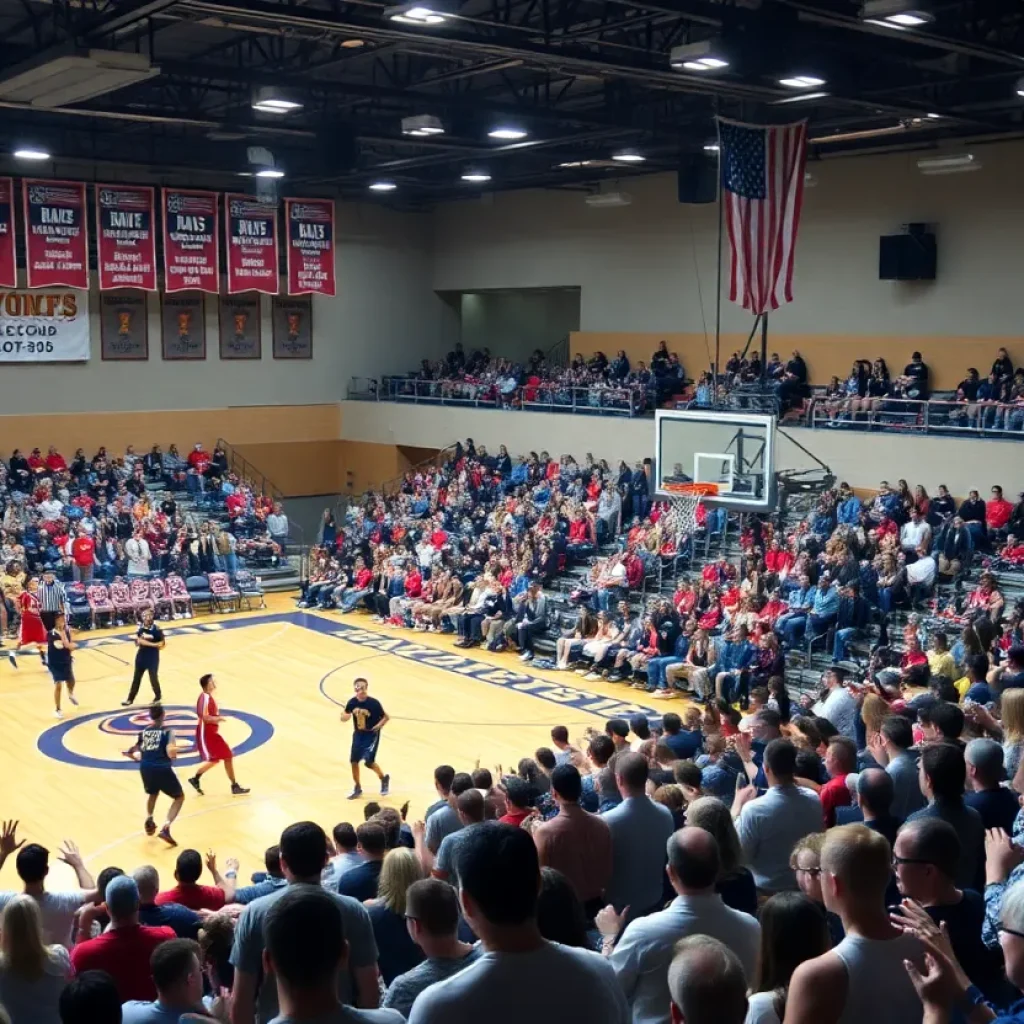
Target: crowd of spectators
[101,518]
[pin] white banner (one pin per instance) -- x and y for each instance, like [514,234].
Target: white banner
[45,325]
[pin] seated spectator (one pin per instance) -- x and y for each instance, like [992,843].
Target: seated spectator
[32,974]
[178,976]
[432,913]
[124,950]
[499,882]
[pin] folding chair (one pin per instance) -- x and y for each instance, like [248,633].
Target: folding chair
[179,596]
[249,587]
[79,612]
[140,595]
[121,596]
[224,595]
[162,603]
[99,602]
[199,591]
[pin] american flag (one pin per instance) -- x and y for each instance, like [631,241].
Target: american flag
[762,188]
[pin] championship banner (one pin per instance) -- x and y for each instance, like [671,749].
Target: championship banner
[240,327]
[251,227]
[292,325]
[124,326]
[47,326]
[8,262]
[126,237]
[183,326]
[56,234]
[191,254]
[310,226]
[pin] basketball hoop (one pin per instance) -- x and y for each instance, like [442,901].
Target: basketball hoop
[685,503]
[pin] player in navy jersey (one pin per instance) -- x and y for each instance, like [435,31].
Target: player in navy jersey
[155,751]
[368,718]
[149,642]
[58,658]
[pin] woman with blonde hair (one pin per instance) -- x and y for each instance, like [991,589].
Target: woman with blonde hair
[397,953]
[1008,729]
[32,975]
[735,882]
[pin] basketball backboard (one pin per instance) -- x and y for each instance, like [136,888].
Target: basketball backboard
[733,451]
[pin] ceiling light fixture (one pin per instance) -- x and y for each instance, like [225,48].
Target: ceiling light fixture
[629,156]
[904,14]
[476,177]
[270,172]
[270,100]
[569,165]
[31,153]
[711,147]
[415,14]
[1020,86]
[422,125]
[802,82]
[700,57]
[383,186]
[508,133]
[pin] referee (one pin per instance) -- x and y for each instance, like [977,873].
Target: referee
[52,599]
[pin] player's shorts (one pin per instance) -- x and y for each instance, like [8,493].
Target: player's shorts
[212,746]
[62,674]
[364,747]
[161,780]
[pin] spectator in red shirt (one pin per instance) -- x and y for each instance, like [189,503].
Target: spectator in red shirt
[125,949]
[55,461]
[192,895]
[913,655]
[37,463]
[83,557]
[840,760]
[997,510]
[199,459]
[235,504]
[519,797]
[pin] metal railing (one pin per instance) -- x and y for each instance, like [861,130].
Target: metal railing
[547,396]
[904,415]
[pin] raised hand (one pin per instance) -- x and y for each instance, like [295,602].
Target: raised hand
[8,838]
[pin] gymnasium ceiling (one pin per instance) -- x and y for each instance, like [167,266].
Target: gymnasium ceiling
[585,78]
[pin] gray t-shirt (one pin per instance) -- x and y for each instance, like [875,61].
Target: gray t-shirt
[37,1000]
[448,854]
[348,1015]
[403,991]
[247,951]
[443,822]
[58,910]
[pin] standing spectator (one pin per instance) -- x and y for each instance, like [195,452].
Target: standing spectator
[184,921]
[307,948]
[33,865]
[891,747]
[90,998]
[499,884]
[432,913]
[840,761]
[397,951]
[277,525]
[642,956]
[471,807]
[32,974]
[83,556]
[997,805]
[707,983]
[189,893]
[139,554]
[124,950]
[640,829]
[576,843]
[872,804]
[863,978]
[178,975]
[346,857]
[769,826]
[361,882]
[303,857]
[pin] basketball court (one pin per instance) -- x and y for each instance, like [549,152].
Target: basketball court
[283,676]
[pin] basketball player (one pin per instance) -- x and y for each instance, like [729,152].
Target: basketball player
[368,718]
[155,751]
[58,657]
[32,632]
[149,642]
[209,742]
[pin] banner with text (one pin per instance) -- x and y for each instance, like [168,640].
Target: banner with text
[126,237]
[8,261]
[191,254]
[310,240]
[49,326]
[251,227]
[56,234]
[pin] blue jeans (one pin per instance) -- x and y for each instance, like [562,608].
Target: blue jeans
[352,598]
[656,671]
[791,626]
[843,636]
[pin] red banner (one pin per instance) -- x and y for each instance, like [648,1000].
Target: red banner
[8,262]
[251,227]
[191,254]
[56,234]
[310,225]
[126,237]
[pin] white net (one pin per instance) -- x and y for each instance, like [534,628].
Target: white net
[683,512]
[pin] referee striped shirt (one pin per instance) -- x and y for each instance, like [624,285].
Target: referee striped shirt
[52,596]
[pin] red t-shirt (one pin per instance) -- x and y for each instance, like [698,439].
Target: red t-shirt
[199,460]
[997,513]
[83,549]
[124,954]
[55,463]
[235,504]
[835,793]
[514,817]
[195,897]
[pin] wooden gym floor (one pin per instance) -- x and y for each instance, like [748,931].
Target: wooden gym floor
[283,676]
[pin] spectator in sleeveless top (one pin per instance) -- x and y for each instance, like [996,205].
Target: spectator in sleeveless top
[863,978]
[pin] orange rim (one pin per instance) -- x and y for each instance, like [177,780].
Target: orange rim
[700,490]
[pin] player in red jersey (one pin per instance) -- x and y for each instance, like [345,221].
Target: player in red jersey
[209,742]
[32,632]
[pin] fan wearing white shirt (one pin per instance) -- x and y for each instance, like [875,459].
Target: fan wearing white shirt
[521,976]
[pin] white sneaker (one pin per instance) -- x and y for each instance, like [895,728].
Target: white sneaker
[58,713]
[525,656]
[591,676]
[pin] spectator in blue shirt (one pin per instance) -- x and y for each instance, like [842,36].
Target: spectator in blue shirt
[264,883]
[734,658]
[361,882]
[825,608]
[789,627]
[848,509]
[184,921]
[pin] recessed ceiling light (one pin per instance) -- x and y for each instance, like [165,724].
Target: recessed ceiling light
[270,100]
[933,117]
[270,172]
[711,147]
[509,133]
[910,19]
[802,82]
[417,15]
[383,186]
[629,156]
[476,177]
[30,153]
[703,64]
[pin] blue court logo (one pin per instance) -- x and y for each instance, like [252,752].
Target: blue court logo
[97,740]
